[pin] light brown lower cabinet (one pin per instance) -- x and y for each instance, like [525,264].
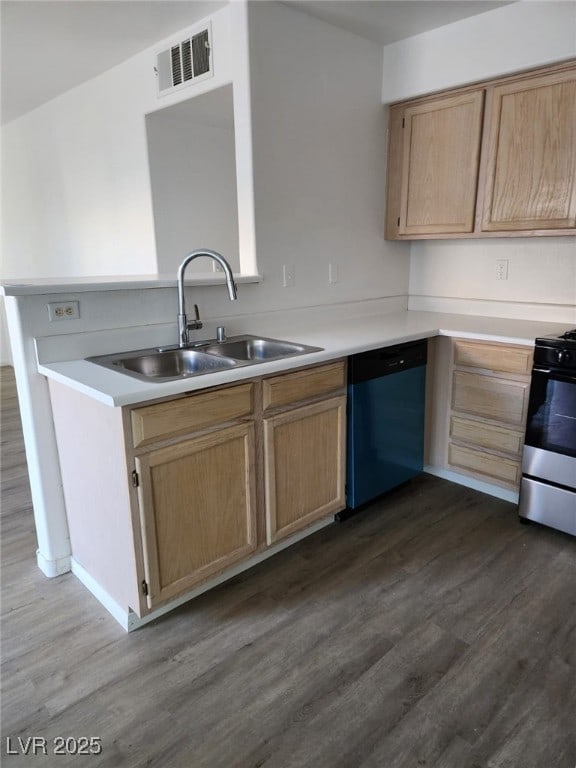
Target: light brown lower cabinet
[164,496]
[488,407]
[487,436]
[197,509]
[490,397]
[486,465]
[304,466]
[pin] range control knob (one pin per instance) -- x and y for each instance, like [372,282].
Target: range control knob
[562,356]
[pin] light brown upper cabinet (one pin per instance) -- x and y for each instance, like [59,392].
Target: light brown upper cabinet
[493,160]
[531,156]
[440,162]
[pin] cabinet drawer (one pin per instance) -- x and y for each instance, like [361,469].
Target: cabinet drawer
[497,468]
[190,414]
[301,385]
[493,357]
[487,435]
[492,398]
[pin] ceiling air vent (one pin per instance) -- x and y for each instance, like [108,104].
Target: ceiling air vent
[185,62]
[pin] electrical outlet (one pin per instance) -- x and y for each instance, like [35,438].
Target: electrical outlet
[216,266]
[501,269]
[288,275]
[333,274]
[63,310]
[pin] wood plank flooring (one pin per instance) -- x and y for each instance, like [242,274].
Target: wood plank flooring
[432,631]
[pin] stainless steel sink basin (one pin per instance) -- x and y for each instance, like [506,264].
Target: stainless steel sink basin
[166,365]
[159,365]
[257,350]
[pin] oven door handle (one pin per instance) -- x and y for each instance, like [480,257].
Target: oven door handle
[556,374]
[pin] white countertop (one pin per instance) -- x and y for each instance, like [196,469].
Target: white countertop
[340,338]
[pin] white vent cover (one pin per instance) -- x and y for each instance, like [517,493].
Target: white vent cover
[185,62]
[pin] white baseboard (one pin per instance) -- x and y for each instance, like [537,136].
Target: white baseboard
[53,568]
[129,621]
[120,614]
[470,482]
[134,621]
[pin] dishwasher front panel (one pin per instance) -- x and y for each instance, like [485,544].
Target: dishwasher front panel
[385,430]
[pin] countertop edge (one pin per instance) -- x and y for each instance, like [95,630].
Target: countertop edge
[336,340]
[49,286]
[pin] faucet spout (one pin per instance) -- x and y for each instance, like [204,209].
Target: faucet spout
[183,324]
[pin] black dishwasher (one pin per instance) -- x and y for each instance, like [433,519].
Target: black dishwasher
[386,397]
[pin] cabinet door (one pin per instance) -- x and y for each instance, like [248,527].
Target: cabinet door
[197,509]
[531,164]
[439,177]
[304,466]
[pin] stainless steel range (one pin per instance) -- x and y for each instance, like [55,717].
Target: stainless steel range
[548,489]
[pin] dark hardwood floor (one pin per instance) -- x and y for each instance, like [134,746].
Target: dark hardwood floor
[431,631]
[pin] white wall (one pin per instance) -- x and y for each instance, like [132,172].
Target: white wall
[460,275]
[319,135]
[193,177]
[77,198]
[76,168]
[5,351]
[512,38]
[80,200]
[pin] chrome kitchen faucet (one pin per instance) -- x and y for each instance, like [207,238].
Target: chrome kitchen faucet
[183,325]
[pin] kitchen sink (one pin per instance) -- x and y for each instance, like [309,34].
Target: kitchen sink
[256,350]
[172,363]
[164,365]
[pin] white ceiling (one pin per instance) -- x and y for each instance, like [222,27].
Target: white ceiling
[387,21]
[50,46]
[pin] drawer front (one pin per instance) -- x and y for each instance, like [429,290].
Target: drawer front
[487,436]
[492,398]
[493,357]
[190,414]
[487,465]
[301,385]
